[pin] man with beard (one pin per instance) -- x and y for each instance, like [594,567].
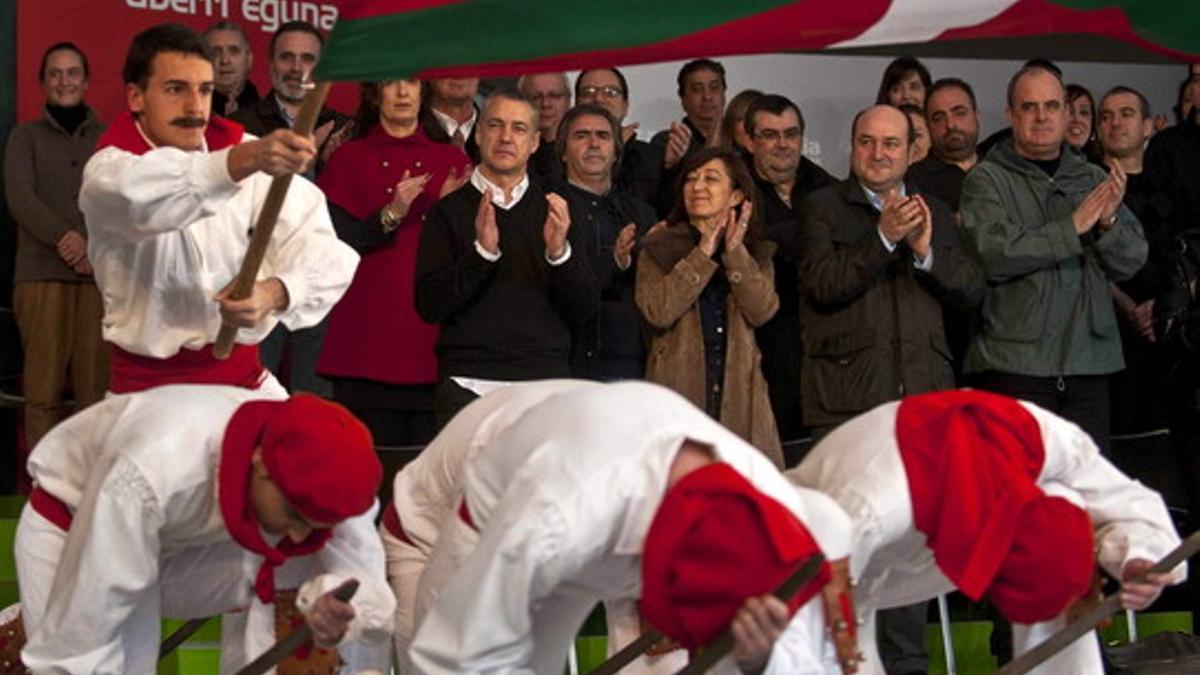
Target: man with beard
[953,121]
[640,167]
[57,304]
[784,177]
[170,198]
[234,59]
[954,132]
[449,113]
[551,93]
[295,48]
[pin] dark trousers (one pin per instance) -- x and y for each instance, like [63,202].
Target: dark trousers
[303,348]
[900,632]
[1082,399]
[448,399]
[396,414]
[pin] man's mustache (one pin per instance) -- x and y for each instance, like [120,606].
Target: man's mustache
[189,122]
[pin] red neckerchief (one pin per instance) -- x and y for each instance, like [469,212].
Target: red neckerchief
[972,460]
[242,435]
[125,135]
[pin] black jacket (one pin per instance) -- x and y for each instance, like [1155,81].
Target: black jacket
[248,97]
[613,344]
[779,338]
[872,321]
[436,132]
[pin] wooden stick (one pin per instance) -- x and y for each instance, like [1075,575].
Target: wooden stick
[723,645]
[628,654]
[280,651]
[306,119]
[1084,624]
[180,636]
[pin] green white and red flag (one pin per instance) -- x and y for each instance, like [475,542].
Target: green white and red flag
[388,39]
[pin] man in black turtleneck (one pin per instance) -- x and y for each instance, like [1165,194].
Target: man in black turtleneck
[57,305]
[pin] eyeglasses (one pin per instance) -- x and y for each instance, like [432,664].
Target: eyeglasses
[773,135]
[595,92]
[553,96]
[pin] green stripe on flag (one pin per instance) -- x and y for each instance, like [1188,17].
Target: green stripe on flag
[476,32]
[1170,23]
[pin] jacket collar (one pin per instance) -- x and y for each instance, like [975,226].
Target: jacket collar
[1071,163]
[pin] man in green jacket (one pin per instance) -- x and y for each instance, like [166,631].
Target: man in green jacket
[1053,235]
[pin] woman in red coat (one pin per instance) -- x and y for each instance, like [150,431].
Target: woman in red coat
[378,352]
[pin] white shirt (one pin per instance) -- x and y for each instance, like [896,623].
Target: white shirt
[451,125]
[430,486]
[138,471]
[551,544]
[167,230]
[924,264]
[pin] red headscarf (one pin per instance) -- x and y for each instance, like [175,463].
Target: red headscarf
[972,460]
[123,133]
[318,454]
[716,541]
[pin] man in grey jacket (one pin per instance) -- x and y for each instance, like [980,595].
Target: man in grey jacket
[1053,234]
[55,298]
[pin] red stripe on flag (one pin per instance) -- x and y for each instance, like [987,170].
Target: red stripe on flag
[1039,17]
[802,25]
[364,9]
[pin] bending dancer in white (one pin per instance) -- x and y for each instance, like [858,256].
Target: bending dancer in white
[992,496]
[182,502]
[429,488]
[561,510]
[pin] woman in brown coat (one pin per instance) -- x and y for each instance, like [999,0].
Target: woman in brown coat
[704,282]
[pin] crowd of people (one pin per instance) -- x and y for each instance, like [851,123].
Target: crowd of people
[443,244]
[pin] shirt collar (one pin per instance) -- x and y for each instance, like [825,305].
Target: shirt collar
[451,125]
[876,199]
[482,184]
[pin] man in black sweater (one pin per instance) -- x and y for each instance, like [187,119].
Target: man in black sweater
[495,268]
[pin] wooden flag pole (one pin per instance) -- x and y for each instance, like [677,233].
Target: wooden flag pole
[243,284]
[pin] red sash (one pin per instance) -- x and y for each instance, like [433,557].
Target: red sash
[132,372]
[391,523]
[51,508]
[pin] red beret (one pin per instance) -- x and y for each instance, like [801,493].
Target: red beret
[716,541]
[1049,563]
[322,458]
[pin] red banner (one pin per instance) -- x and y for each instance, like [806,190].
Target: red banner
[103,29]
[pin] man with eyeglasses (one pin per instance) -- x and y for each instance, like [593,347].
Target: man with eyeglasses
[640,166]
[550,93]
[776,127]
